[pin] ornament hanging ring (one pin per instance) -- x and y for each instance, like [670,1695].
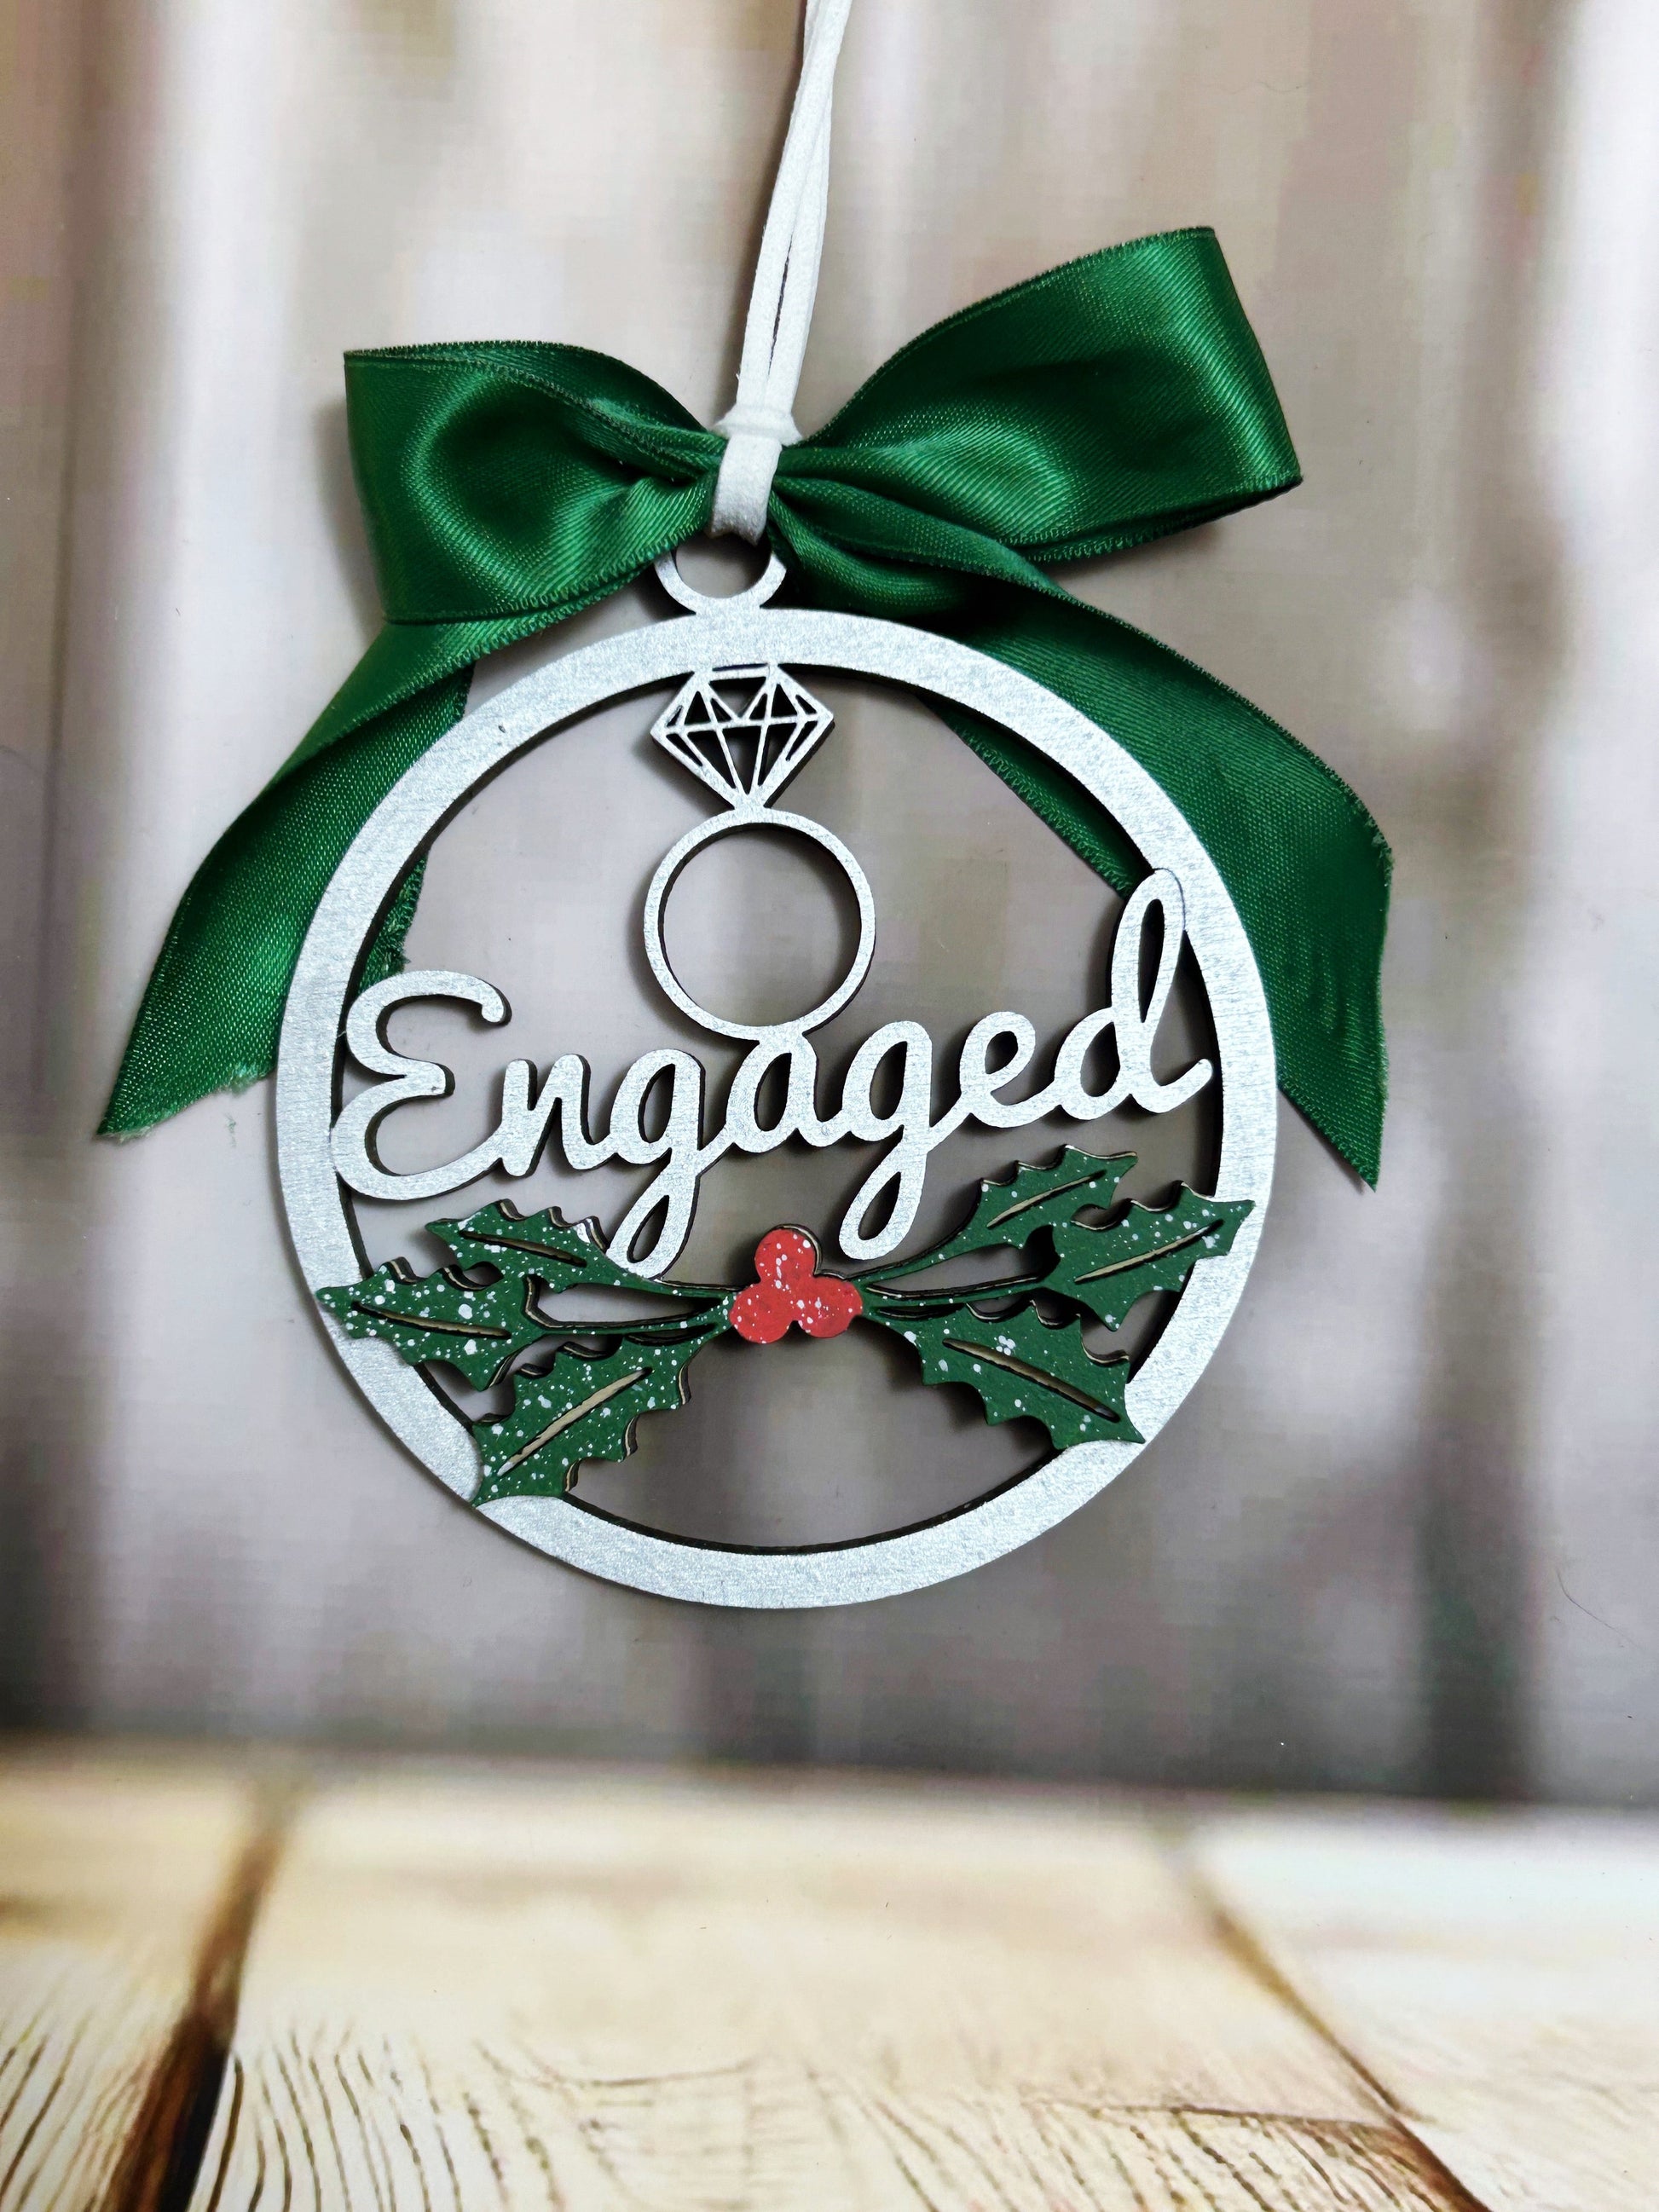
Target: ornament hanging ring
[703,603]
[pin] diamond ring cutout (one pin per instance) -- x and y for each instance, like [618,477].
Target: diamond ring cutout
[744,731]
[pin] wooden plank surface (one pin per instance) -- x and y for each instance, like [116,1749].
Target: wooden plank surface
[112,1878]
[456,1989]
[1499,1977]
[666,1994]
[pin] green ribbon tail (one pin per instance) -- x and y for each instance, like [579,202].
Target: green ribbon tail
[212,1012]
[504,488]
[1303,862]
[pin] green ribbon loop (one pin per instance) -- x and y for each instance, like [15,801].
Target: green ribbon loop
[1110,401]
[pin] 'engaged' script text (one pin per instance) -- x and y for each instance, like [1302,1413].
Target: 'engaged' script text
[532,1104]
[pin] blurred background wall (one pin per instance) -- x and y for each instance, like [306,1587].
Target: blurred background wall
[1406,1533]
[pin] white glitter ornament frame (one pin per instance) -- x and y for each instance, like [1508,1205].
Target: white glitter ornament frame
[723,633]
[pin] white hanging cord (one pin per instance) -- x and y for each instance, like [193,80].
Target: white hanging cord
[762,423]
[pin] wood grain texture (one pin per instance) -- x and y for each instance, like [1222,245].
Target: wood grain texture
[608,1993]
[1498,1977]
[109,1880]
[465,1989]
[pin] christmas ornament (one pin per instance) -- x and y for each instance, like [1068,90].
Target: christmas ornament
[506,486]
[743,720]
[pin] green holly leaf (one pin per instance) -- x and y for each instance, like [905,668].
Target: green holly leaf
[480,1313]
[1024,1368]
[1031,1198]
[543,1247]
[478,1329]
[1151,1249]
[583,1406]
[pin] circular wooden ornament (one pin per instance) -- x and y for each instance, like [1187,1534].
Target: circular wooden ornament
[745,633]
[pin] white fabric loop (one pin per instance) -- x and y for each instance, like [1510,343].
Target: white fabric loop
[774,422]
[762,423]
[743,490]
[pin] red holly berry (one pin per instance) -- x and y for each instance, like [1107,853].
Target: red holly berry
[790,1289]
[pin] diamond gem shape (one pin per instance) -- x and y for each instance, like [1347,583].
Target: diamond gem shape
[744,731]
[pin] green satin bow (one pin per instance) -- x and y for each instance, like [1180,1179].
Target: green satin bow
[1110,401]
